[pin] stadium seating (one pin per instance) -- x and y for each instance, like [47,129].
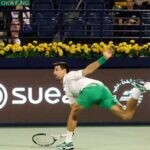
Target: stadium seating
[146,24]
[89,20]
[45,18]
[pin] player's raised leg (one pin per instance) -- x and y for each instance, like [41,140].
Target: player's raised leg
[127,114]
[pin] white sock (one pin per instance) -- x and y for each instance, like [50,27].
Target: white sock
[69,137]
[135,93]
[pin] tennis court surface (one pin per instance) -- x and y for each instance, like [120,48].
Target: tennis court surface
[86,138]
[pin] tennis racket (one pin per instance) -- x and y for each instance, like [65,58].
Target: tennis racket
[44,139]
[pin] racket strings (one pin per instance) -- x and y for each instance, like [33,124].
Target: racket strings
[44,140]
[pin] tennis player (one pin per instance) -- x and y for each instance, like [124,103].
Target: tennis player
[85,92]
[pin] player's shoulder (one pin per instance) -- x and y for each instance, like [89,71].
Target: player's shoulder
[73,75]
[69,75]
[74,72]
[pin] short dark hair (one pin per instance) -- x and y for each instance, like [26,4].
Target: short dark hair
[63,65]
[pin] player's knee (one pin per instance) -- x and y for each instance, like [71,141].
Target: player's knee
[127,116]
[74,115]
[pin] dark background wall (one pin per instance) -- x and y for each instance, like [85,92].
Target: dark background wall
[34,97]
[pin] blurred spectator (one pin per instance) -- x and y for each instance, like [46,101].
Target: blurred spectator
[128,20]
[16,23]
[1,25]
[146,17]
[3,32]
[142,4]
[146,4]
[26,20]
[129,17]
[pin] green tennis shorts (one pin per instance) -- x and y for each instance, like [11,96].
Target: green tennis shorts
[96,94]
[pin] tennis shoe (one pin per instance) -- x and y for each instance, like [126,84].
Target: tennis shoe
[65,146]
[141,85]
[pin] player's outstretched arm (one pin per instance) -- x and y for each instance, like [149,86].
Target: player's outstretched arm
[96,64]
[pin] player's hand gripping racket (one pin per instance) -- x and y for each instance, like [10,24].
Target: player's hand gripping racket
[44,139]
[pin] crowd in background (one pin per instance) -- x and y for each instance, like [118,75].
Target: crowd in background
[22,20]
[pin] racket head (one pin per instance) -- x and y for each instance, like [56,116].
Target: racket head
[43,139]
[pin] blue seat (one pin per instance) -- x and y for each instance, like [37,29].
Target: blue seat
[93,25]
[68,4]
[75,30]
[93,15]
[94,4]
[107,26]
[46,27]
[146,24]
[42,1]
[46,21]
[100,26]
[70,15]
